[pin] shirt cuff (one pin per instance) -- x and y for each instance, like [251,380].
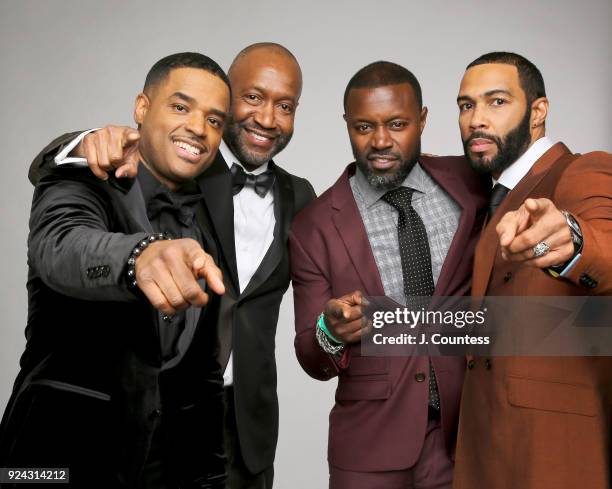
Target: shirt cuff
[62,157]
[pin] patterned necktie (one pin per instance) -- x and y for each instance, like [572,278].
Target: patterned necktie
[416,263]
[498,193]
[261,183]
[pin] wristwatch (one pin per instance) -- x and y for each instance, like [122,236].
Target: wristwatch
[575,231]
[577,240]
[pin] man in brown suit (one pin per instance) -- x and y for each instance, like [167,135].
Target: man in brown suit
[534,422]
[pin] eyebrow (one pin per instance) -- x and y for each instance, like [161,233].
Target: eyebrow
[191,100]
[488,93]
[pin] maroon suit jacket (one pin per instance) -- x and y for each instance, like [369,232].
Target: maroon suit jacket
[379,419]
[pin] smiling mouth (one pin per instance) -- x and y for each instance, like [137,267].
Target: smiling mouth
[189,148]
[258,138]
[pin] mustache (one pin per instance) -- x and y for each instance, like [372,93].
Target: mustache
[482,135]
[273,133]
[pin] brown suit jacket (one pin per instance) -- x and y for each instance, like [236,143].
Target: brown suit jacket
[379,419]
[543,422]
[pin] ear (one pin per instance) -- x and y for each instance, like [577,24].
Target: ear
[344,117]
[141,106]
[539,111]
[423,120]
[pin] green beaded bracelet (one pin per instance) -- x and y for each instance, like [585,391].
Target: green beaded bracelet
[323,327]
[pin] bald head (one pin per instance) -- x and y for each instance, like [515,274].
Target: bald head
[266,85]
[262,54]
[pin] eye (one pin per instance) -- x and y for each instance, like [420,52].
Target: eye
[397,124]
[179,107]
[499,101]
[362,128]
[465,106]
[287,108]
[252,98]
[215,122]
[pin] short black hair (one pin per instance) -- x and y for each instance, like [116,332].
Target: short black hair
[382,74]
[530,78]
[160,70]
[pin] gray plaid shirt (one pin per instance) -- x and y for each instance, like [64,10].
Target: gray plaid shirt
[439,212]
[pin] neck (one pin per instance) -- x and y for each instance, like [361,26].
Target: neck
[160,178]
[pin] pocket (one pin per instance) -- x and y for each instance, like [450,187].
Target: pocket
[552,396]
[369,390]
[62,425]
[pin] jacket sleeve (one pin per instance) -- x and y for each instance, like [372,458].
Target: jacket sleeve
[71,246]
[311,291]
[43,163]
[586,191]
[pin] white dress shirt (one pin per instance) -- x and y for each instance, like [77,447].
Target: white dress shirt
[512,175]
[254,223]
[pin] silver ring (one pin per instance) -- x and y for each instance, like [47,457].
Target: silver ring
[540,249]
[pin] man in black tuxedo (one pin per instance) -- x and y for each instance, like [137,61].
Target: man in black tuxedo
[250,204]
[124,394]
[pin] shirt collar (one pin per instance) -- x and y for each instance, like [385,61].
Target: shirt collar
[417,179]
[230,159]
[151,186]
[512,175]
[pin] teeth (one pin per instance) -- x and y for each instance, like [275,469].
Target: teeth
[188,147]
[260,138]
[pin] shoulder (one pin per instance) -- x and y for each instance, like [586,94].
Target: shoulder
[588,174]
[459,167]
[302,189]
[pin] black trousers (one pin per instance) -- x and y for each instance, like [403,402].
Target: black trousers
[239,476]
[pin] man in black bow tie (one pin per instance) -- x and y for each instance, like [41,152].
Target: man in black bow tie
[249,205]
[119,382]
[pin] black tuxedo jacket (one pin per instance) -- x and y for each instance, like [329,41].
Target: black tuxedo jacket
[247,322]
[92,389]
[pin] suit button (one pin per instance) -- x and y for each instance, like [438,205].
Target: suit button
[470,364]
[588,282]
[488,364]
[507,277]
[156,413]
[419,377]
[325,370]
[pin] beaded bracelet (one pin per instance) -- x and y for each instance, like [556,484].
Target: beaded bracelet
[138,249]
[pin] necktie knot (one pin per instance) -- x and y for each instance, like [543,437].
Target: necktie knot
[400,198]
[498,193]
[261,183]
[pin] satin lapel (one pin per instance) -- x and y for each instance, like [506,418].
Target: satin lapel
[283,213]
[447,179]
[216,186]
[488,245]
[352,232]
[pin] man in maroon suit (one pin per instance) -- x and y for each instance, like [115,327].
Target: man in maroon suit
[399,224]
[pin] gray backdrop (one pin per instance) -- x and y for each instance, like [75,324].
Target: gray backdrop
[76,64]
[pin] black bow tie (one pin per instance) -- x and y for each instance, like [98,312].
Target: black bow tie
[261,183]
[181,206]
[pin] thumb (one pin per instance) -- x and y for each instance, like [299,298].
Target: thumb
[131,137]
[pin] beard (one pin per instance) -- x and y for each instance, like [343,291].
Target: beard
[390,180]
[234,138]
[509,149]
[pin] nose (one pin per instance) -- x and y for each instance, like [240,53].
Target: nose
[478,119]
[264,116]
[197,124]
[381,138]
